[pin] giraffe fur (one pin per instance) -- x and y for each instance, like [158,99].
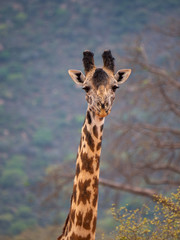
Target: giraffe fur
[100,85]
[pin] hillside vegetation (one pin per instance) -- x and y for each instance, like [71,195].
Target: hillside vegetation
[41,111]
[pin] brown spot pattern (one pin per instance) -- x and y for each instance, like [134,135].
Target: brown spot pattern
[95,131]
[95,184]
[70,226]
[77,237]
[89,117]
[73,215]
[79,218]
[89,139]
[84,194]
[87,163]
[80,145]
[95,198]
[74,193]
[77,170]
[98,146]
[95,187]
[87,219]
[94,225]
[97,158]
[71,198]
[101,128]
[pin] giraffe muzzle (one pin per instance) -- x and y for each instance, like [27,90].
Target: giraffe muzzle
[103,113]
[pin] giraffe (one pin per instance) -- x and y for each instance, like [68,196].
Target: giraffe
[100,85]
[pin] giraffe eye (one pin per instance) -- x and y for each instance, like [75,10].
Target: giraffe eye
[114,88]
[87,88]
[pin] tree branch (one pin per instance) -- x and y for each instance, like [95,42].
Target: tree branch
[167,145]
[158,129]
[172,105]
[128,188]
[161,182]
[140,50]
[159,167]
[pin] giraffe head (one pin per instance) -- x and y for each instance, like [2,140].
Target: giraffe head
[99,84]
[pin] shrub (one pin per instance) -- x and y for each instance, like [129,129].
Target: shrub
[163,222]
[43,137]
[17,227]
[3,70]
[6,217]
[16,162]
[21,17]
[24,212]
[13,178]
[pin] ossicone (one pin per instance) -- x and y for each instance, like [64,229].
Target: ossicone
[108,60]
[88,61]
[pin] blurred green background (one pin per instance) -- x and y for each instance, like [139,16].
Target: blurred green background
[41,110]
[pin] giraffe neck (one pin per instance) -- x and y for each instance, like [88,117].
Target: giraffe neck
[81,221]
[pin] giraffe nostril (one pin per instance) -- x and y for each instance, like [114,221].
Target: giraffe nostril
[102,105]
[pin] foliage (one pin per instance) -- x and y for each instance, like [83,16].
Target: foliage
[17,161]
[40,112]
[43,137]
[18,227]
[50,232]
[13,178]
[163,222]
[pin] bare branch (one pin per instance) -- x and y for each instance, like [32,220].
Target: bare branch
[168,145]
[167,167]
[156,140]
[172,104]
[161,182]
[128,188]
[163,73]
[158,129]
[172,29]
[153,69]
[104,182]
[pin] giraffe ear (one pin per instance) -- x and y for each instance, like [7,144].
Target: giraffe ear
[122,75]
[77,76]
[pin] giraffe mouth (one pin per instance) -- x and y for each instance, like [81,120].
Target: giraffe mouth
[103,113]
[100,112]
